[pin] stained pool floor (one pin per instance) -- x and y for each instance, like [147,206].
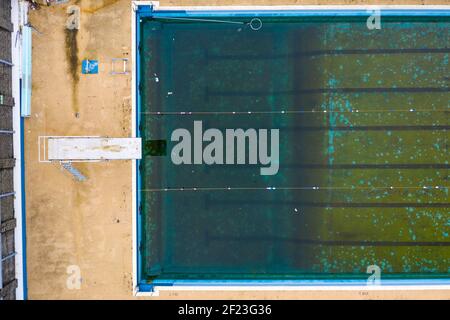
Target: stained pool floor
[363,117]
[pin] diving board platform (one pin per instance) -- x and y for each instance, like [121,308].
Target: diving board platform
[80,149]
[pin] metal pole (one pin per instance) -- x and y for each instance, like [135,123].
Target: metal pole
[9,256]
[8,194]
[6,62]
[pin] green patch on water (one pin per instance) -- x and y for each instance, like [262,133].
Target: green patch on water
[155,148]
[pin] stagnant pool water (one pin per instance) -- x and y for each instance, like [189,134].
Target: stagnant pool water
[363,119]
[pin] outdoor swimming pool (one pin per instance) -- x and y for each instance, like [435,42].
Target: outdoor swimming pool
[362,121]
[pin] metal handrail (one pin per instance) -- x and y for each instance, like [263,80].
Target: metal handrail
[8,194]
[8,63]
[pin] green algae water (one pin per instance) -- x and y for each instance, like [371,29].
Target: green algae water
[363,119]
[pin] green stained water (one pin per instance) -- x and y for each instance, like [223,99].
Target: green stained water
[396,78]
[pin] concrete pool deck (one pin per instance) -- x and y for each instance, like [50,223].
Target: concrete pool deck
[89,224]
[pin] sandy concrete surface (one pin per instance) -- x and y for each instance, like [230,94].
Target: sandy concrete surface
[89,224]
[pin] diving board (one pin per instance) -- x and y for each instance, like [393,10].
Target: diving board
[91,148]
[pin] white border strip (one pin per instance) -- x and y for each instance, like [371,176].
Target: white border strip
[134,5]
[300,288]
[157,7]
[16,41]
[157,289]
[304,288]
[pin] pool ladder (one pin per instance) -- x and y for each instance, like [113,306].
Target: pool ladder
[75,173]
